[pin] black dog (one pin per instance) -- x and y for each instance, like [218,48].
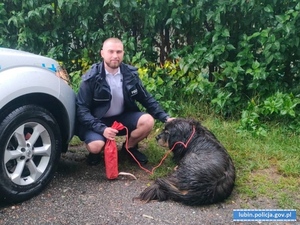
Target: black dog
[205,173]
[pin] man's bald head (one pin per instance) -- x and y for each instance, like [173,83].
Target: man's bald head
[110,41]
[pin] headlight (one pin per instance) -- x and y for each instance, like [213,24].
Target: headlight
[63,74]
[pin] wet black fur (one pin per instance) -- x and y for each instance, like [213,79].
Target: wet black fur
[205,172]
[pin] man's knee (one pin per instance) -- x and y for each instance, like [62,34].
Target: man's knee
[95,147]
[146,121]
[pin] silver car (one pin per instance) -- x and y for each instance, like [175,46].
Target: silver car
[37,114]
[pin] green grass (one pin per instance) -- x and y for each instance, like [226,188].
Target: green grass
[265,166]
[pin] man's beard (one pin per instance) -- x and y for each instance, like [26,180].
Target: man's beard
[113,65]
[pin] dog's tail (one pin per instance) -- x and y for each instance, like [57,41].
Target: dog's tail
[164,189]
[153,192]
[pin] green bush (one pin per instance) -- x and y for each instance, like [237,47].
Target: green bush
[280,107]
[224,54]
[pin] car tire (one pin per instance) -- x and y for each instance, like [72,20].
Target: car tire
[30,148]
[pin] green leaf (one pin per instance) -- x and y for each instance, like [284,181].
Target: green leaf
[60,3]
[255,65]
[215,37]
[159,81]
[32,13]
[269,59]
[256,34]
[169,21]
[268,9]
[264,33]
[226,33]
[13,20]
[277,45]
[249,71]
[116,3]
[230,47]
[282,18]
[209,15]
[209,57]
[177,21]
[106,2]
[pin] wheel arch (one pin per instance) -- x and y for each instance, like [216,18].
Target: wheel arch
[52,104]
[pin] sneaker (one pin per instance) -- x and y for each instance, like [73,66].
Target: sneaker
[136,153]
[93,159]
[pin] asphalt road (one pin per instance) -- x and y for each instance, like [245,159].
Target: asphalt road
[81,194]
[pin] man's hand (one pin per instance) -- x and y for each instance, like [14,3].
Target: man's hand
[110,133]
[170,119]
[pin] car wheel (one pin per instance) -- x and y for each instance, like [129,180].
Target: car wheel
[30,147]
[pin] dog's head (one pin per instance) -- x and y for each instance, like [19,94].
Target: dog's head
[177,130]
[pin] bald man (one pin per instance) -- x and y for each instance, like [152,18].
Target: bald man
[109,92]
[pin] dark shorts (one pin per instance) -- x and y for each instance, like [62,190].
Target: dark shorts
[128,119]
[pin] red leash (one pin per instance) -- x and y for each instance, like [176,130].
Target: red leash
[165,156]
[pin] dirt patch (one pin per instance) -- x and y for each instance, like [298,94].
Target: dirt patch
[271,173]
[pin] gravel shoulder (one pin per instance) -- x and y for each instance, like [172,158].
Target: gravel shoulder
[81,194]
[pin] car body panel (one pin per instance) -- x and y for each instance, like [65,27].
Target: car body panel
[23,73]
[28,80]
[8,60]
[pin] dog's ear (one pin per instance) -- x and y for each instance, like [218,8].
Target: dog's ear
[179,130]
[193,123]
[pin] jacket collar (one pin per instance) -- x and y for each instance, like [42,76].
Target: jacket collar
[97,72]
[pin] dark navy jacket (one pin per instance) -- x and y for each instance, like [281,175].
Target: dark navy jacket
[94,97]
